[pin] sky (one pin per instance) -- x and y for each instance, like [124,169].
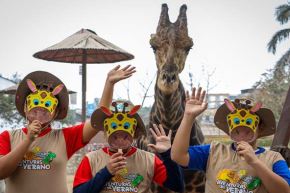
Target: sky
[230,39]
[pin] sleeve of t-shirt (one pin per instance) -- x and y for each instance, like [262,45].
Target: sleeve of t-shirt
[73,138]
[84,182]
[281,168]
[83,173]
[160,173]
[198,156]
[4,143]
[167,173]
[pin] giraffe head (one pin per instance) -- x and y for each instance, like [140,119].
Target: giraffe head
[121,123]
[41,103]
[171,45]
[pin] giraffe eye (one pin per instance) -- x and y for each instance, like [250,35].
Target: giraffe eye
[114,125]
[249,121]
[237,121]
[35,101]
[47,103]
[126,125]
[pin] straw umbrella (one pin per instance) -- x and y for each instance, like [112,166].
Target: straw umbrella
[84,47]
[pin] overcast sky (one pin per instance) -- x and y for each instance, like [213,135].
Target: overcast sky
[229,35]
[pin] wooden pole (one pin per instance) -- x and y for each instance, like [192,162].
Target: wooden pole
[282,135]
[84,86]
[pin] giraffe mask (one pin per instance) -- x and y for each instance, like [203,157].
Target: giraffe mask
[119,120]
[41,103]
[243,116]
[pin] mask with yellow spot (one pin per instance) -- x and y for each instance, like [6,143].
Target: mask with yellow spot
[41,104]
[242,119]
[120,126]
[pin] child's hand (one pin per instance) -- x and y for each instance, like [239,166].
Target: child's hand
[163,142]
[195,104]
[117,74]
[33,129]
[116,163]
[245,149]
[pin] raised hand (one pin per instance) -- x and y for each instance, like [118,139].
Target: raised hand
[33,130]
[116,163]
[117,74]
[163,142]
[195,103]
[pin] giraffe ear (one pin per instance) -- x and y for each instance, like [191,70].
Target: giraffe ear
[106,111]
[230,105]
[134,110]
[57,89]
[256,107]
[31,85]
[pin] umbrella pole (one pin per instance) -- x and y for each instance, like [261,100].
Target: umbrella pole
[84,90]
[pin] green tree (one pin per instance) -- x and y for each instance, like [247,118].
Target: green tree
[8,112]
[274,84]
[282,16]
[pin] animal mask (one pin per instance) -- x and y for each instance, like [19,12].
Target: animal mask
[42,98]
[119,119]
[243,115]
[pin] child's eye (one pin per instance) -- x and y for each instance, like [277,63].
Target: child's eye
[236,121]
[249,121]
[36,102]
[114,125]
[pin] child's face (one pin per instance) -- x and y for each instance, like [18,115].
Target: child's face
[120,140]
[243,134]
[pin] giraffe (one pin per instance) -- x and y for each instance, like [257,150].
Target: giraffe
[171,45]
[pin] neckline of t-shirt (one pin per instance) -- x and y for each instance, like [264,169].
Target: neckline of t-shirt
[43,132]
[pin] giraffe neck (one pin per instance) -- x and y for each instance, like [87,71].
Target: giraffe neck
[168,109]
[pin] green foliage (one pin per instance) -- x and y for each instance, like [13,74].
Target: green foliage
[274,84]
[272,89]
[8,112]
[70,118]
[282,16]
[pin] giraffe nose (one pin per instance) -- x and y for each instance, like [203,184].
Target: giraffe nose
[169,78]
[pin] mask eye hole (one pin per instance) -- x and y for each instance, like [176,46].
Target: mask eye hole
[47,103]
[237,121]
[114,125]
[249,121]
[36,102]
[126,125]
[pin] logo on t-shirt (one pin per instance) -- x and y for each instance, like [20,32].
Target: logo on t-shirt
[37,160]
[124,182]
[231,181]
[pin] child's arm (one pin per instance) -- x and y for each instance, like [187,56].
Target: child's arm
[166,172]
[195,105]
[114,76]
[272,182]
[10,161]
